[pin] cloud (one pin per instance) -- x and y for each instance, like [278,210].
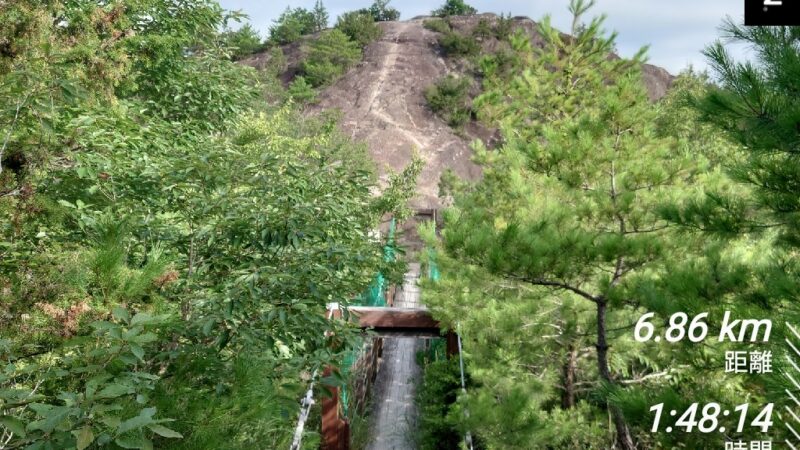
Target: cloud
[676,30]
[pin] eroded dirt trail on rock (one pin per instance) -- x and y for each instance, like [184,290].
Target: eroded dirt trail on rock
[383,101]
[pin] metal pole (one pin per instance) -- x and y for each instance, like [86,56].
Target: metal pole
[308,400]
[468,436]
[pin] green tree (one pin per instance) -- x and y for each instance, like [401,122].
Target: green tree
[456,44]
[302,91]
[243,42]
[756,103]
[329,57]
[320,16]
[571,202]
[454,8]
[292,25]
[449,98]
[757,106]
[359,27]
[165,235]
[382,12]
[437,25]
[678,118]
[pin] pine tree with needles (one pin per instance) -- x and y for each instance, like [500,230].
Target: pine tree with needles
[758,104]
[571,201]
[320,16]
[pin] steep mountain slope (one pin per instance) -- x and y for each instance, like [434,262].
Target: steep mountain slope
[383,100]
[384,105]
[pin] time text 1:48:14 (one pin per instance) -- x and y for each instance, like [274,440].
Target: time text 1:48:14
[712,418]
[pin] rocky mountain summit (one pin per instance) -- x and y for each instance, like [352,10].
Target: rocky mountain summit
[383,103]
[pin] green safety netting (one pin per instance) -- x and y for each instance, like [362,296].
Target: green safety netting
[433,268]
[373,296]
[437,350]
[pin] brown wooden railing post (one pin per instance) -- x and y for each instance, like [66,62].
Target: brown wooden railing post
[452,344]
[335,430]
[405,321]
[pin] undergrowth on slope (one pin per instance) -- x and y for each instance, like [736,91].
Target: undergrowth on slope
[437,25]
[456,44]
[449,98]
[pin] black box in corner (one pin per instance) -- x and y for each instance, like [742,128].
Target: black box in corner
[771,12]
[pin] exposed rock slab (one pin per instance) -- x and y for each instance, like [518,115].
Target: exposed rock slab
[383,104]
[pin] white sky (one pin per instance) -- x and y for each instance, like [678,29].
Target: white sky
[676,30]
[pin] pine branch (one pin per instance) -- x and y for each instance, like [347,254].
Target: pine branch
[562,285]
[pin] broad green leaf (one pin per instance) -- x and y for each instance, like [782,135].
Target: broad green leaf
[121,313]
[14,425]
[84,437]
[114,391]
[164,431]
[141,318]
[144,418]
[52,418]
[138,442]
[138,351]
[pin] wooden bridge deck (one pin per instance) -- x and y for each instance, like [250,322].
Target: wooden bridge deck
[394,409]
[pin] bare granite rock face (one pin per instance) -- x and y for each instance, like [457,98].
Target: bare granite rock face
[383,104]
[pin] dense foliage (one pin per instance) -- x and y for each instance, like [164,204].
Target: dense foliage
[329,57]
[169,239]
[456,44]
[600,206]
[454,8]
[292,25]
[449,98]
[359,27]
[242,42]
[382,12]
[437,394]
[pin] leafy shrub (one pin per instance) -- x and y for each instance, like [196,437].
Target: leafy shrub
[320,14]
[437,25]
[96,391]
[381,11]
[291,25]
[454,8]
[504,27]
[243,42]
[456,44]
[449,98]
[204,91]
[359,27]
[439,390]
[483,29]
[329,57]
[498,64]
[302,91]
[276,62]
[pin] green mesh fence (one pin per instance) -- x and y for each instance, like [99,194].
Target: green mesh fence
[433,268]
[347,364]
[375,295]
[437,349]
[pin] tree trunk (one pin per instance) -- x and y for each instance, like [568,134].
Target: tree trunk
[568,378]
[624,439]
